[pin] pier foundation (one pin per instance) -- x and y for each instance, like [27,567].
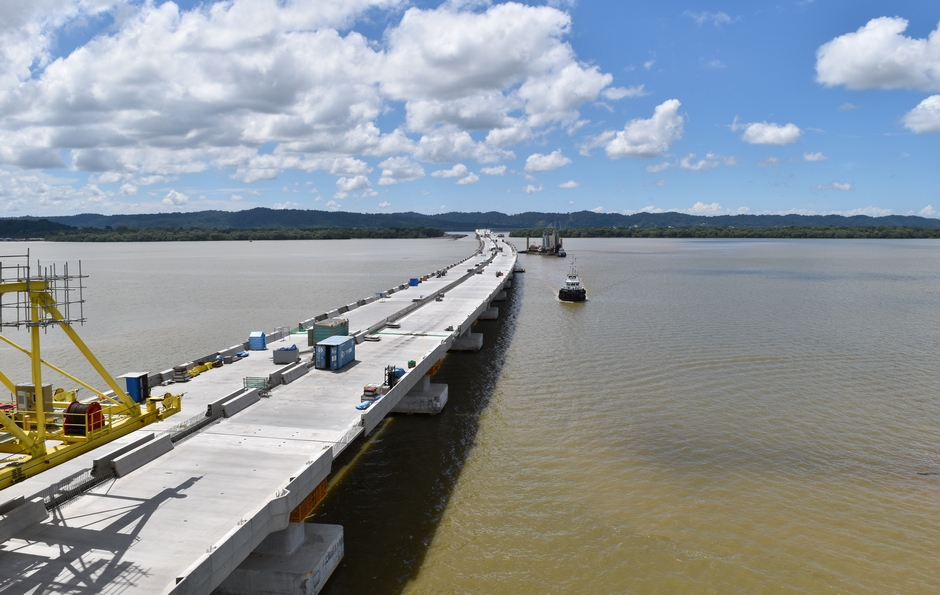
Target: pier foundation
[317,551]
[500,297]
[468,342]
[424,397]
[489,314]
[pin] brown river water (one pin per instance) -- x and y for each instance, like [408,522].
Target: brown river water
[722,416]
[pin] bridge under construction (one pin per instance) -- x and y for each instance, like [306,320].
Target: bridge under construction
[213,498]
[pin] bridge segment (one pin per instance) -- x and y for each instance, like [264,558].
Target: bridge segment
[190,504]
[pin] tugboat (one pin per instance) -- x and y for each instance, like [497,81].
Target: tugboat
[573,291]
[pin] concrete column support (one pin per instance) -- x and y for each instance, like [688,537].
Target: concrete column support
[424,397]
[468,342]
[489,313]
[304,569]
[283,542]
[500,297]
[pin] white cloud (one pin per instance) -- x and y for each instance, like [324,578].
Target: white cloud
[769,162]
[532,189]
[711,160]
[35,192]
[716,18]
[399,169]
[651,209]
[175,198]
[497,170]
[449,144]
[235,197]
[833,186]
[768,133]
[384,204]
[345,184]
[471,178]
[877,55]
[458,171]
[814,157]
[569,184]
[538,162]
[927,211]
[167,90]
[700,208]
[644,138]
[597,210]
[925,117]
[648,64]
[658,167]
[286,205]
[127,190]
[847,107]
[333,205]
[615,93]
[870,211]
[472,68]
[347,166]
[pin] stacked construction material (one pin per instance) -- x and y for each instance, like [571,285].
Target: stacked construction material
[372,392]
[180,374]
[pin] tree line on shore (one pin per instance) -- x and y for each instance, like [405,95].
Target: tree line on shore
[267,218]
[699,231]
[168,234]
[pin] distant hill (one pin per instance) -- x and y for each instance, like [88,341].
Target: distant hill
[264,218]
[30,228]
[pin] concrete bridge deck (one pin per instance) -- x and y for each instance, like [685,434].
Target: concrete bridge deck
[184,513]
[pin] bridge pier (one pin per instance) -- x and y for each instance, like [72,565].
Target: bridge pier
[500,297]
[298,559]
[491,313]
[424,397]
[468,341]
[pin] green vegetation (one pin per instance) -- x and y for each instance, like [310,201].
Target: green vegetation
[167,234]
[30,228]
[269,219]
[834,232]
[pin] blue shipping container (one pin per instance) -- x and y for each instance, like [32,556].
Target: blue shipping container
[413,282]
[319,357]
[334,352]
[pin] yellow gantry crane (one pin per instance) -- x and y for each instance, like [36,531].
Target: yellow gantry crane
[41,429]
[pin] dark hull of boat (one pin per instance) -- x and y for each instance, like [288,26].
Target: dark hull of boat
[572,295]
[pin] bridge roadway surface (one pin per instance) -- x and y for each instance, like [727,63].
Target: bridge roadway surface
[183,521]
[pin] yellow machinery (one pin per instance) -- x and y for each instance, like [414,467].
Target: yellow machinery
[45,428]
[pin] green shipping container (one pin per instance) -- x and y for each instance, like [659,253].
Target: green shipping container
[327,328]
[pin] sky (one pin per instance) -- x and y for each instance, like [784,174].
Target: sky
[795,106]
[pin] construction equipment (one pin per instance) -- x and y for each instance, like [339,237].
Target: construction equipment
[48,428]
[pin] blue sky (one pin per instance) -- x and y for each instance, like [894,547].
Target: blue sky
[798,106]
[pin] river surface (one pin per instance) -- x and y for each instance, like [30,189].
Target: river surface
[721,416]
